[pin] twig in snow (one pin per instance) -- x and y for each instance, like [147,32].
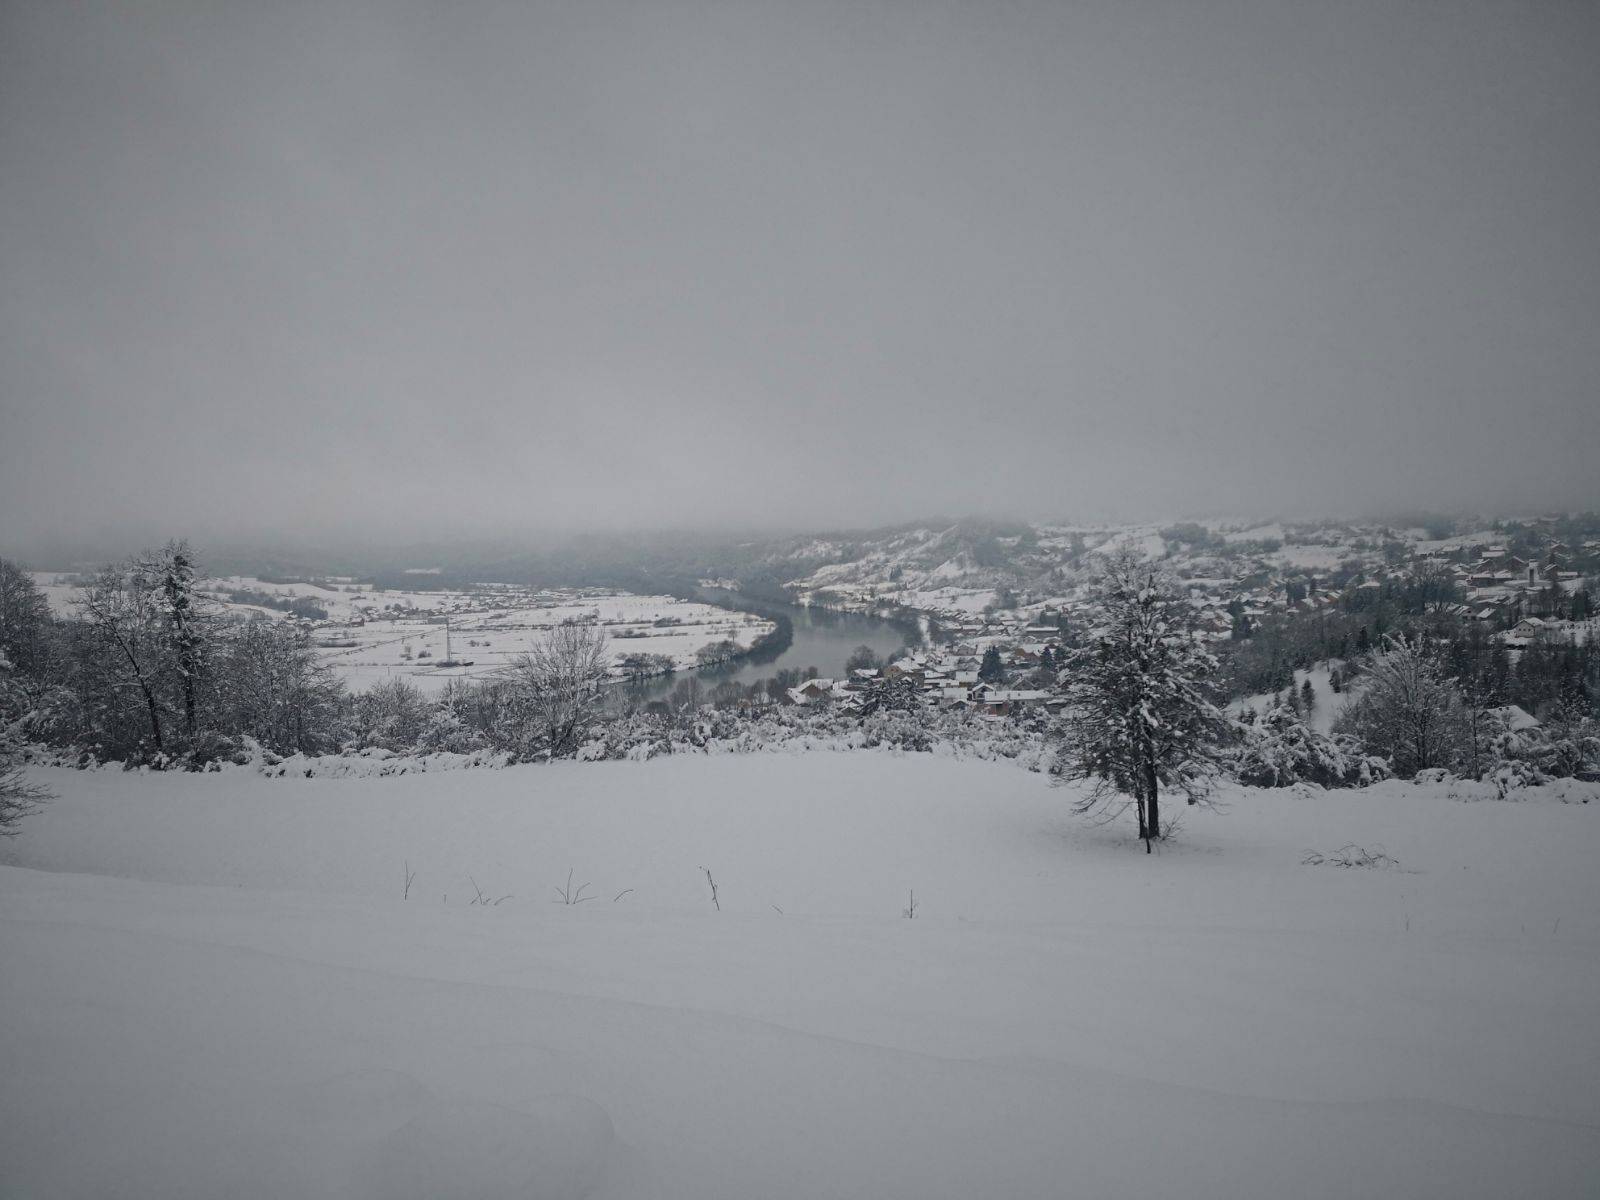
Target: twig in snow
[481,899]
[569,897]
[1350,855]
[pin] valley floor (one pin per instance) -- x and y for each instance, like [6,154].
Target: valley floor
[214,985]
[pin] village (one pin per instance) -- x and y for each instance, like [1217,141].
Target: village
[997,650]
[981,675]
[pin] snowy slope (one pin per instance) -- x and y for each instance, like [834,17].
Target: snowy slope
[214,986]
[1329,703]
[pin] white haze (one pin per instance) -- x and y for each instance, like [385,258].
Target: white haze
[392,269]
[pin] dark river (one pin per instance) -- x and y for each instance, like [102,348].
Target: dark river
[822,638]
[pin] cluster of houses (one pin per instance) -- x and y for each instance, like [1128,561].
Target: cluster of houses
[1502,586]
[948,678]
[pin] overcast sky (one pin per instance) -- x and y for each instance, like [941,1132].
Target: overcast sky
[468,268]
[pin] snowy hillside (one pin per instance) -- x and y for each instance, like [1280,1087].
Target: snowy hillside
[215,985]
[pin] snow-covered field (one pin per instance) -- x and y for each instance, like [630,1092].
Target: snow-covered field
[485,639]
[374,634]
[214,986]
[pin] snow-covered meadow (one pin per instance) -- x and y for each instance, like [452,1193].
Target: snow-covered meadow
[486,636]
[216,984]
[373,634]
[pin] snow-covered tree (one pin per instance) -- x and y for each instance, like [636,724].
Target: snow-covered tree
[1408,711]
[1139,717]
[390,715]
[890,695]
[990,668]
[173,567]
[555,690]
[24,617]
[271,686]
[18,797]
[121,612]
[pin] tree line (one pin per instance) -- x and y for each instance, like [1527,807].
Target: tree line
[147,670]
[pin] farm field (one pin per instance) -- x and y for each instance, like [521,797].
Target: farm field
[373,634]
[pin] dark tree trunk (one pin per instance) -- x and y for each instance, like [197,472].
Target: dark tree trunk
[155,714]
[188,699]
[1152,804]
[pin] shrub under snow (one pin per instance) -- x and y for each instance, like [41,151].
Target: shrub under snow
[1280,750]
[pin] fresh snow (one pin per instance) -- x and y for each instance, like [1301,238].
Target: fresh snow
[1329,702]
[377,634]
[213,986]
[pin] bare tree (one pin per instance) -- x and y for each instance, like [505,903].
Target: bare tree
[121,610]
[1409,710]
[556,690]
[24,617]
[273,688]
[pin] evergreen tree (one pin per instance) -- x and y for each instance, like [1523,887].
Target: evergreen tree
[890,695]
[1308,696]
[1139,717]
[991,669]
[174,568]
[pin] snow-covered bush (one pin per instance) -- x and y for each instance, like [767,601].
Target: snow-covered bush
[1373,769]
[1567,745]
[1280,750]
[208,750]
[390,716]
[643,735]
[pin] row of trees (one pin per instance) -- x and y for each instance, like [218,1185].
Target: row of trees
[148,671]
